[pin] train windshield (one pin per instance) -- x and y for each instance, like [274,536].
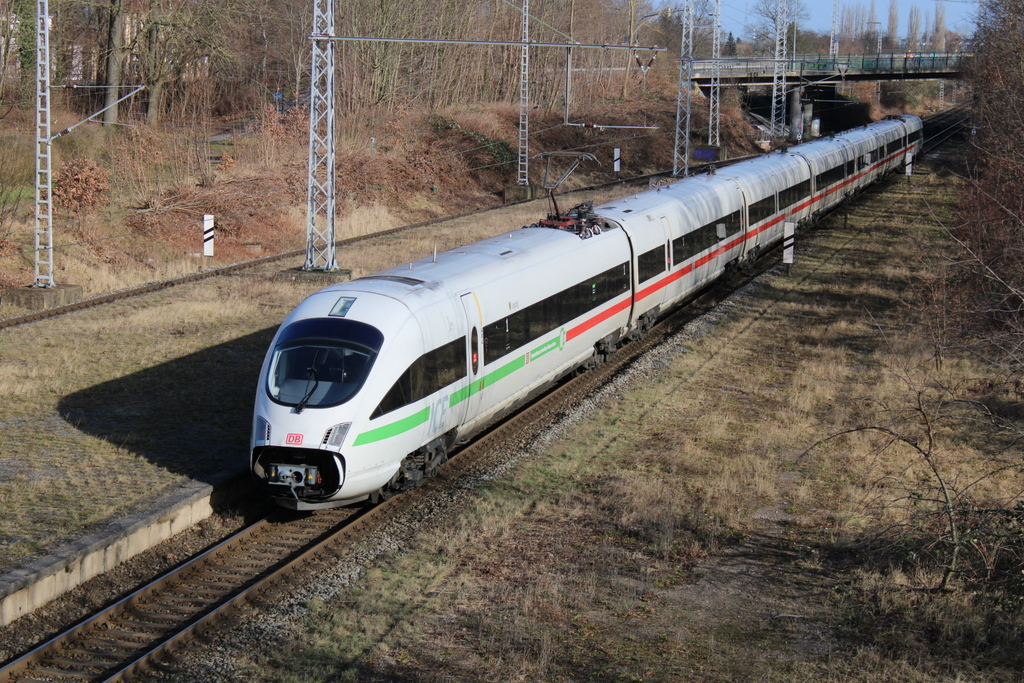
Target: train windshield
[322,362]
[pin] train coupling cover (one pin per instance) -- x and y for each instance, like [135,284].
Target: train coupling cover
[294,476]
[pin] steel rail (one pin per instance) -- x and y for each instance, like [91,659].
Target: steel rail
[253,549]
[242,265]
[958,115]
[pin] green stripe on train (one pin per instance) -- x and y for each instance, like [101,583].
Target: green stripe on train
[393,429]
[486,381]
[415,420]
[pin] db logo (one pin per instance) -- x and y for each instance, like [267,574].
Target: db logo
[293,439]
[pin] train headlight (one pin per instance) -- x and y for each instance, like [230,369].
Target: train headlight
[335,436]
[261,432]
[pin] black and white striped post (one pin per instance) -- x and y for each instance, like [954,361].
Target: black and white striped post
[788,241]
[208,235]
[617,159]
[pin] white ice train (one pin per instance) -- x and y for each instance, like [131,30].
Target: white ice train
[369,383]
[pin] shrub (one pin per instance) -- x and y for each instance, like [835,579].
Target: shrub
[80,185]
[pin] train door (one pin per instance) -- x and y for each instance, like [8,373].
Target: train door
[471,395]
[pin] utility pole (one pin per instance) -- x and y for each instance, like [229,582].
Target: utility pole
[681,159]
[321,197]
[779,74]
[878,36]
[714,138]
[44,206]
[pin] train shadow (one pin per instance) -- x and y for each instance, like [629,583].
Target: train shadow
[190,415]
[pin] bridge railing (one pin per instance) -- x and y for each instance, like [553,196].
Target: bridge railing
[810,64]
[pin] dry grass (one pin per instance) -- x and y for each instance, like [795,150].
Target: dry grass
[658,542]
[695,530]
[157,389]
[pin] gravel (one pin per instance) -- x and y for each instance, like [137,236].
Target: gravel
[230,653]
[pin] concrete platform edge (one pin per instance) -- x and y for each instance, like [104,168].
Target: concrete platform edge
[30,586]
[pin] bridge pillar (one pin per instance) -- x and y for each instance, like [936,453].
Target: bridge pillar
[796,115]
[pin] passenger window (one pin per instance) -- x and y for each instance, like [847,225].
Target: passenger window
[651,263]
[504,336]
[430,372]
[762,209]
[679,251]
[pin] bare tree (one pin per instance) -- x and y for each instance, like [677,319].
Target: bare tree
[913,28]
[892,39]
[8,47]
[939,36]
[949,511]
[761,29]
[115,57]
[173,44]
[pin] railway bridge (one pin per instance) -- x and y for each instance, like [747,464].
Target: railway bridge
[810,81]
[818,69]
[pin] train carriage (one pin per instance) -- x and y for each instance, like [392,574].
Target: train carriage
[775,188]
[466,336]
[832,171]
[683,235]
[368,383]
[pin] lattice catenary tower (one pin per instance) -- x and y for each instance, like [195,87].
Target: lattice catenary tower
[681,158]
[833,42]
[44,215]
[779,75]
[714,117]
[524,100]
[321,186]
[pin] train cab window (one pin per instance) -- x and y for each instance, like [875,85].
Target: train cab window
[321,362]
[650,263]
[431,372]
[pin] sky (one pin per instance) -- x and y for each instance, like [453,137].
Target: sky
[959,14]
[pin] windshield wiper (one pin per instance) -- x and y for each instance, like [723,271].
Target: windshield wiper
[312,377]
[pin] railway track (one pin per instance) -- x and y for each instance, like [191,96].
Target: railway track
[234,267]
[242,265]
[144,628]
[120,640]
[942,127]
